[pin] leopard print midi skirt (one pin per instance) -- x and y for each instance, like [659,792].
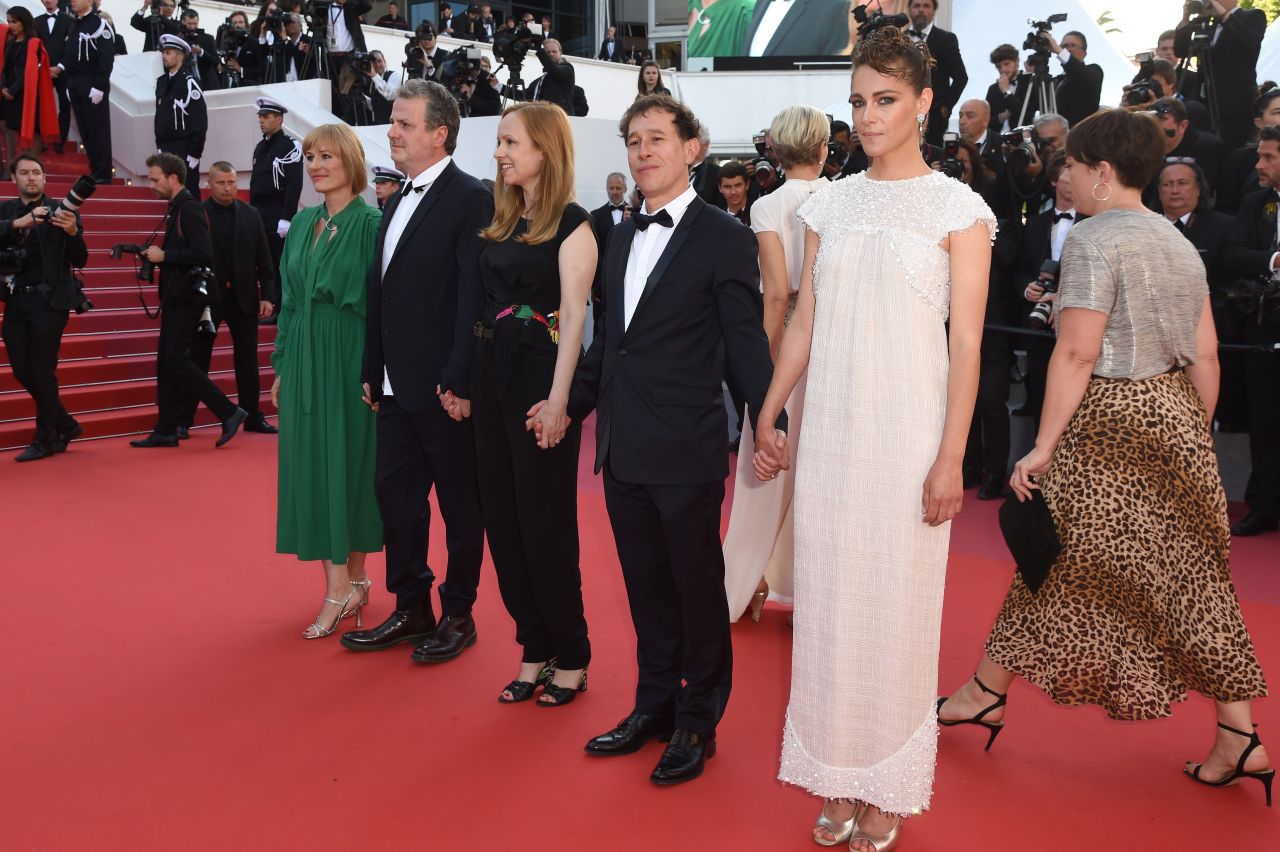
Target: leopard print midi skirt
[1139,607]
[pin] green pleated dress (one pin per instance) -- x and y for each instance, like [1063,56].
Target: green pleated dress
[326,507]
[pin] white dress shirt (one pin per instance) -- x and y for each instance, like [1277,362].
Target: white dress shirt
[340,40]
[616,213]
[399,221]
[1058,235]
[769,25]
[646,248]
[924,34]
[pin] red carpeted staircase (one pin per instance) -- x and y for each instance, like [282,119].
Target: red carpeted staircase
[107,364]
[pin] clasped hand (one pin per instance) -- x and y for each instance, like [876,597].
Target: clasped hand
[455,406]
[771,456]
[548,421]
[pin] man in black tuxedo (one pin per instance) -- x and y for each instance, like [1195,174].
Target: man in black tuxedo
[160,22]
[424,298]
[611,47]
[244,278]
[187,248]
[1231,81]
[704,175]
[1007,94]
[682,303]
[204,51]
[808,28]
[37,299]
[53,27]
[1252,254]
[948,76]
[1079,87]
[557,82]
[603,220]
[974,120]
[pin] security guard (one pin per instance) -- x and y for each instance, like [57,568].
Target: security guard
[276,183]
[182,119]
[386,183]
[86,65]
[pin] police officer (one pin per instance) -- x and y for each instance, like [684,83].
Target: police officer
[188,247]
[87,60]
[37,298]
[386,183]
[276,183]
[182,119]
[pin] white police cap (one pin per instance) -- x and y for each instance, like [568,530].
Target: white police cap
[270,105]
[387,173]
[168,41]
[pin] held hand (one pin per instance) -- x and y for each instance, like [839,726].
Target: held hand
[367,399]
[530,425]
[264,309]
[66,220]
[771,456]
[155,254]
[55,72]
[550,422]
[943,493]
[275,393]
[1030,468]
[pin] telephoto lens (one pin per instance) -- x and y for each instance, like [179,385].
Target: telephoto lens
[79,193]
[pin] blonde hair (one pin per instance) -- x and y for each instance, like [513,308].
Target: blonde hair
[548,130]
[342,141]
[798,132]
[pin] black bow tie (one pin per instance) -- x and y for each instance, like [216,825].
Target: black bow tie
[408,188]
[915,33]
[1058,217]
[616,206]
[662,219]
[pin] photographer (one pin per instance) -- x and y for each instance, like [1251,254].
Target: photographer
[297,49]
[421,56]
[1183,140]
[482,92]
[154,25]
[849,157]
[1025,160]
[238,53]
[1251,256]
[86,67]
[556,84]
[1239,170]
[204,52]
[383,95]
[1079,86]
[38,291]
[1006,95]
[342,28]
[182,118]
[1226,79]
[948,77]
[186,254]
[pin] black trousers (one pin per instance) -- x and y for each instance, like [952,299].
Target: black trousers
[177,376]
[270,219]
[32,333]
[244,342]
[1262,372]
[182,148]
[64,108]
[1039,351]
[418,451]
[668,539]
[94,122]
[530,503]
[988,447]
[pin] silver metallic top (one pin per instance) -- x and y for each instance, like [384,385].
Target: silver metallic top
[1135,267]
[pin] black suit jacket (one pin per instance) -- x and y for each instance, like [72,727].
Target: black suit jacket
[1079,90]
[1032,253]
[1234,59]
[706,182]
[602,224]
[604,50]
[253,273]
[351,13]
[810,28]
[207,61]
[556,85]
[1249,251]
[421,313]
[655,385]
[949,76]
[1010,103]
[58,252]
[55,42]
[165,26]
[187,245]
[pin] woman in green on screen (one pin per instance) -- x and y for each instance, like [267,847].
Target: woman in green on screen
[718,27]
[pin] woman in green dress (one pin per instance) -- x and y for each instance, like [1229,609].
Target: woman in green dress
[327,509]
[718,27]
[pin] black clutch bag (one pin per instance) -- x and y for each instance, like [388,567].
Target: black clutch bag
[1031,537]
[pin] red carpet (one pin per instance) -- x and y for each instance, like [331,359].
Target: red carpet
[158,697]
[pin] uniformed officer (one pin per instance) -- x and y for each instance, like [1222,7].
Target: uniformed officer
[182,119]
[276,183]
[87,60]
[386,183]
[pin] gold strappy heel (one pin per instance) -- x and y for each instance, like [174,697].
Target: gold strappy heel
[758,599]
[840,831]
[882,842]
[358,609]
[318,630]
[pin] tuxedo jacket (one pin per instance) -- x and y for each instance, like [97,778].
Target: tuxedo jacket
[1234,59]
[55,41]
[949,76]
[421,313]
[1248,253]
[252,271]
[810,28]
[351,12]
[655,385]
[1033,251]
[602,224]
[705,180]
[604,50]
[1079,90]
[1010,103]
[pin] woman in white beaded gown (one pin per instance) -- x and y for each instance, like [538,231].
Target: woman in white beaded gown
[889,254]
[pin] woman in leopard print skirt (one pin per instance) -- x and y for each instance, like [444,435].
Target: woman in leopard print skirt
[1139,606]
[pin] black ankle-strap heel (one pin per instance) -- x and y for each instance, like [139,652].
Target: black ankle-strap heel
[993,728]
[1266,776]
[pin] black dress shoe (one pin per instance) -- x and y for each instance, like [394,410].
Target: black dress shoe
[34,453]
[65,436]
[630,735]
[259,423]
[455,634]
[992,487]
[154,440]
[403,625]
[684,758]
[231,426]
[271,320]
[1256,523]
[183,433]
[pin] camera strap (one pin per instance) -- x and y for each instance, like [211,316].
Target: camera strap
[142,299]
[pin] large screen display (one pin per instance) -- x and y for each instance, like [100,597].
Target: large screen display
[776,28]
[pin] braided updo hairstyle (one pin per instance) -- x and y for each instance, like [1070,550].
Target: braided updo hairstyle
[890,51]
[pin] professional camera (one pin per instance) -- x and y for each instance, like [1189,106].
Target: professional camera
[146,269]
[81,191]
[1146,88]
[1249,295]
[202,280]
[1200,25]
[951,165]
[1039,316]
[1024,144]
[231,38]
[1038,41]
[458,66]
[316,13]
[510,46]
[361,62]
[869,22]
[12,261]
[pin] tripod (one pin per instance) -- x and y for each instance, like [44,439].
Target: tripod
[514,89]
[316,65]
[1046,97]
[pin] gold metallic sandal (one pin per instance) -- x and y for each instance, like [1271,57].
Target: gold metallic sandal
[882,842]
[318,630]
[840,830]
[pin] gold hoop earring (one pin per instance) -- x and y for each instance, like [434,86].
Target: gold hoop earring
[1106,197]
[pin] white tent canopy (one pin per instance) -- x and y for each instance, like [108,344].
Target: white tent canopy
[1269,59]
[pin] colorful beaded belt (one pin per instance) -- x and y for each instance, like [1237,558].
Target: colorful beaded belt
[526,313]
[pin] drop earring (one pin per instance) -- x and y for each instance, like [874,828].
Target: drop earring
[920,124]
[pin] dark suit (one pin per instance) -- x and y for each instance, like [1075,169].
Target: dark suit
[55,41]
[153,28]
[1233,60]
[555,85]
[602,224]
[705,180]
[1239,178]
[35,314]
[1248,254]
[245,276]
[616,45]
[351,12]
[206,64]
[661,438]
[420,318]
[810,28]
[949,79]
[1035,249]
[1011,103]
[86,68]
[1079,90]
